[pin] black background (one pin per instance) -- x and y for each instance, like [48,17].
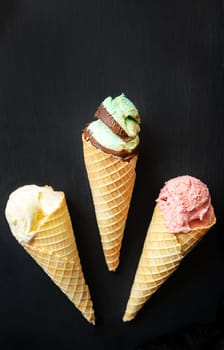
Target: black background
[58,61]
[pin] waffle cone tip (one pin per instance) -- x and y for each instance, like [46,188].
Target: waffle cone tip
[127,317]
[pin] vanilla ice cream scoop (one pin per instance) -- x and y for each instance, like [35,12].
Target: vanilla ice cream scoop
[40,221]
[27,207]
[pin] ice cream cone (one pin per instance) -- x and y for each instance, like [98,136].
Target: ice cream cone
[53,247]
[161,255]
[111,181]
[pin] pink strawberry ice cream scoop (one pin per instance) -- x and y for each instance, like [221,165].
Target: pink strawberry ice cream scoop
[186,204]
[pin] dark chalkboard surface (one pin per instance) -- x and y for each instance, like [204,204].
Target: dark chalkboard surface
[58,61]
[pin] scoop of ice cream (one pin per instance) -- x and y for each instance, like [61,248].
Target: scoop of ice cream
[27,207]
[117,128]
[124,112]
[109,140]
[186,204]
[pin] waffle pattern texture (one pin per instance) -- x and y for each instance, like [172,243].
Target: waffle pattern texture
[111,182]
[54,249]
[161,255]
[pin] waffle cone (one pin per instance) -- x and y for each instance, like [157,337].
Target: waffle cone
[111,182]
[161,255]
[54,248]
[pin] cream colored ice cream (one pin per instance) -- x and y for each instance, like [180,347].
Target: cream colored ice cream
[27,207]
[39,219]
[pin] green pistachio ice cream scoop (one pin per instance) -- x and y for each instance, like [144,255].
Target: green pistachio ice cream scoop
[117,127]
[110,149]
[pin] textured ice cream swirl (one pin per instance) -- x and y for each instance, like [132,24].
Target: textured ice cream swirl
[186,204]
[117,128]
[27,207]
